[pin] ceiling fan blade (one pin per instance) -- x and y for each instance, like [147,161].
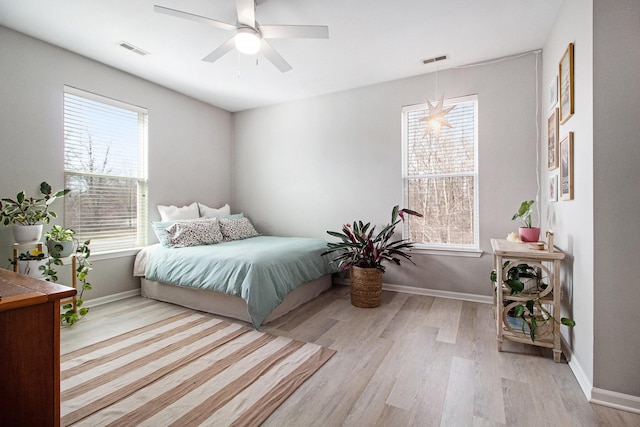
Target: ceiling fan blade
[270,53]
[246,12]
[193,17]
[220,51]
[294,31]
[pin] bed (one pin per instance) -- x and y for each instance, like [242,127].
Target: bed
[255,279]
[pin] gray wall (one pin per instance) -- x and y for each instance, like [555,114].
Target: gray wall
[572,221]
[305,167]
[597,229]
[189,141]
[616,124]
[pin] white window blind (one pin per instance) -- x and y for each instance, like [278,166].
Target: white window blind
[105,166]
[440,176]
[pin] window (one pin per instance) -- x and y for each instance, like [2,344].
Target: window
[105,166]
[440,176]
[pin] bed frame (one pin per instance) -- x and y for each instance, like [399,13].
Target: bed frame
[229,305]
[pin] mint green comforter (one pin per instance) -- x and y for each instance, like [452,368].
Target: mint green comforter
[261,270]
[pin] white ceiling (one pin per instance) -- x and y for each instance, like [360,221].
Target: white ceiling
[370,41]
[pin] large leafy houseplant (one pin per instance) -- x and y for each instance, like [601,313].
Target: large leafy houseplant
[360,246]
[25,210]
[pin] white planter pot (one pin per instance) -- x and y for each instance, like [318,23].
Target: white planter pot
[23,234]
[66,248]
[32,268]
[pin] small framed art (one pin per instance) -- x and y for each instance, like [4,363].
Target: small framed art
[553,92]
[565,77]
[552,140]
[553,188]
[566,167]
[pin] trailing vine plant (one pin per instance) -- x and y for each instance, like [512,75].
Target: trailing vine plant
[71,314]
[529,312]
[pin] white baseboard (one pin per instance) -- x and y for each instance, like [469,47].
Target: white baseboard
[598,396]
[427,292]
[111,298]
[613,399]
[437,293]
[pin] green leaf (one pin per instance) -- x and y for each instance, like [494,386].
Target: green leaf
[532,328]
[567,322]
[518,311]
[530,305]
[515,285]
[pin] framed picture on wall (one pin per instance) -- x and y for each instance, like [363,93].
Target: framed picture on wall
[553,188]
[566,167]
[552,140]
[565,77]
[553,92]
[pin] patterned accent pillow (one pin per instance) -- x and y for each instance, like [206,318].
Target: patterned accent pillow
[236,229]
[194,233]
[160,228]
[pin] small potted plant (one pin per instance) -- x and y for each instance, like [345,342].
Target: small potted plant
[32,263]
[60,240]
[363,253]
[527,232]
[28,214]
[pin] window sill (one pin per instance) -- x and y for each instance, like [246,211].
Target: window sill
[120,253]
[458,252]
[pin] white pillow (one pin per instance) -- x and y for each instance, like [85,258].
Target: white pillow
[194,233]
[171,213]
[213,212]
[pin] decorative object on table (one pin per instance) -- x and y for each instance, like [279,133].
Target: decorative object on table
[527,232]
[566,167]
[549,235]
[28,214]
[72,311]
[552,140]
[364,254]
[60,240]
[565,74]
[553,188]
[32,263]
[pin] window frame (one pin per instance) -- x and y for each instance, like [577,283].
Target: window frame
[143,170]
[472,250]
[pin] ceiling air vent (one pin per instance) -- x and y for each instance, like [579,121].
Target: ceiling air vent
[133,48]
[435,59]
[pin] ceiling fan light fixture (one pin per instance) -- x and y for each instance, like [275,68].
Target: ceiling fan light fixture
[247,41]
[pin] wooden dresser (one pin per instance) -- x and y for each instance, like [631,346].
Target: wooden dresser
[30,350]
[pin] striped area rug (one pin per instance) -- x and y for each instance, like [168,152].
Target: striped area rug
[187,370]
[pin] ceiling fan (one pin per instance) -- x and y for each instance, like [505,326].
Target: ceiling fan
[249,36]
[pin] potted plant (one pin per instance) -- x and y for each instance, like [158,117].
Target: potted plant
[364,253]
[527,232]
[72,312]
[28,214]
[32,263]
[60,240]
[529,315]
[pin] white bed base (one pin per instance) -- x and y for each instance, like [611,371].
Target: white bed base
[229,305]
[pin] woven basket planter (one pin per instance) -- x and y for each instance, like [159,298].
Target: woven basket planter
[366,287]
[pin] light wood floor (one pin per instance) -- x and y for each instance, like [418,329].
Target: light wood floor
[414,361]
